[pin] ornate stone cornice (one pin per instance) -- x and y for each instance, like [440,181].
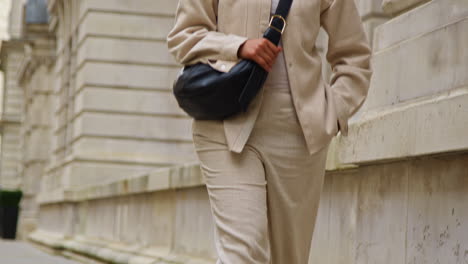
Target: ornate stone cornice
[7,47]
[33,59]
[39,49]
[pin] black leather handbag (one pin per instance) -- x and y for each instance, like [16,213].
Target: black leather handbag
[207,94]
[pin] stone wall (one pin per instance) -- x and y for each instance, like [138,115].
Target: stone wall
[163,215]
[121,184]
[399,212]
[417,101]
[410,211]
[115,114]
[401,201]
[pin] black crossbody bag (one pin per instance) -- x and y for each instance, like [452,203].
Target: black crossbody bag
[207,94]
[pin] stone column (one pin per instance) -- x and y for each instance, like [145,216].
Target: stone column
[35,77]
[10,122]
[11,54]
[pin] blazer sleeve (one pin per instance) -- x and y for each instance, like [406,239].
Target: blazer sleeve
[194,37]
[349,54]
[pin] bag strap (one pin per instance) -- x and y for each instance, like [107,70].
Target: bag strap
[278,22]
[273,33]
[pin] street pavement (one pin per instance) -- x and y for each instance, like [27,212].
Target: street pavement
[16,252]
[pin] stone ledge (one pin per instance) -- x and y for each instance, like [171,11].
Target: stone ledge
[425,126]
[7,118]
[177,177]
[424,19]
[333,159]
[420,66]
[101,251]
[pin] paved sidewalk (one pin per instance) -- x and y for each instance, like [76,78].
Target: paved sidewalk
[15,252]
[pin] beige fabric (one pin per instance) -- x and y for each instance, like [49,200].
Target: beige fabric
[265,199]
[211,31]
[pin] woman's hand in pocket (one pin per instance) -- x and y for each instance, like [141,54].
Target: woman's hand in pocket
[262,51]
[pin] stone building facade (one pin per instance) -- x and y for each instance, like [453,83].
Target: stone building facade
[93,136]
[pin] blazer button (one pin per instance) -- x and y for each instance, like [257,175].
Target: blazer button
[290,65]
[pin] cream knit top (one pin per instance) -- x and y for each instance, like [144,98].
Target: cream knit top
[274,4]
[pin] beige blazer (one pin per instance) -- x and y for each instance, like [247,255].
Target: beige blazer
[211,31]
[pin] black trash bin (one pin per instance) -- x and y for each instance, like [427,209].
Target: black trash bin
[9,210]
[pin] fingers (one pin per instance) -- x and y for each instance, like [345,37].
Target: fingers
[272,47]
[262,51]
[269,48]
[267,58]
[266,54]
[262,63]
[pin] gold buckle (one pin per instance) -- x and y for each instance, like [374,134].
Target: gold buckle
[275,28]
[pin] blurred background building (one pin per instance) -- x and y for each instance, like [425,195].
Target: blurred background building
[92,135]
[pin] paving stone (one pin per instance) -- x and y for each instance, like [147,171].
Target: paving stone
[14,252]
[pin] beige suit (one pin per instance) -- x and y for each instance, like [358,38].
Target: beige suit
[211,32]
[264,168]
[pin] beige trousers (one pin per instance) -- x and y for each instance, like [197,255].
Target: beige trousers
[264,200]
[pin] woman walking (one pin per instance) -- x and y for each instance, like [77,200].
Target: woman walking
[264,169]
